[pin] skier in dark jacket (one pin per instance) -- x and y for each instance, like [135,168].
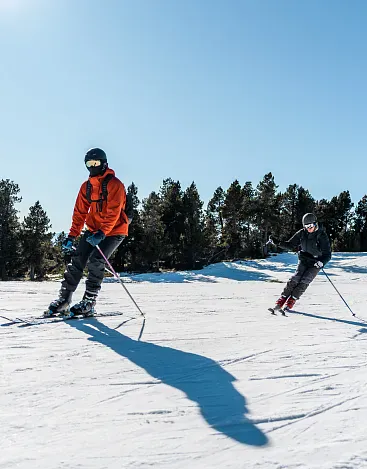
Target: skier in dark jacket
[314,253]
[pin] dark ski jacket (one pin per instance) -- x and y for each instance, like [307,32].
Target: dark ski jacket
[311,247]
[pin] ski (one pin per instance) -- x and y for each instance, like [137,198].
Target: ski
[39,320]
[273,312]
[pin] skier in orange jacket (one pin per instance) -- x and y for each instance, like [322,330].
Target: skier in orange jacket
[101,206]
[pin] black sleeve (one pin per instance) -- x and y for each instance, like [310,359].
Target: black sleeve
[325,248]
[292,242]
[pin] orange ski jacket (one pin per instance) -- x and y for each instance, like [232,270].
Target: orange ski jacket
[112,219]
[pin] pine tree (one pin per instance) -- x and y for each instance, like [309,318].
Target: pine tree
[295,202]
[36,241]
[58,264]
[360,224]
[336,217]
[214,227]
[289,211]
[344,216]
[192,238]
[248,205]
[215,208]
[129,250]
[251,243]
[153,237]
[233,219]
[267,208]
[306,204]
[172,216]
[9,229]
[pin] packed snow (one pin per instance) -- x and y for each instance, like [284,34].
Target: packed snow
[211,379]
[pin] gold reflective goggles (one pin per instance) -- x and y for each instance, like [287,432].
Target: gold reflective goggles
[91,163]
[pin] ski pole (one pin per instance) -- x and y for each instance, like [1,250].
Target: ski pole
[119,279]
[346,304]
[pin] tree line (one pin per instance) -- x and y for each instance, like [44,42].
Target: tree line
[171,229]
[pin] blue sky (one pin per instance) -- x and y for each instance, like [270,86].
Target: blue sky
[207,90]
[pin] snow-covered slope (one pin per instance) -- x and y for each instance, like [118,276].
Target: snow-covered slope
[215,380]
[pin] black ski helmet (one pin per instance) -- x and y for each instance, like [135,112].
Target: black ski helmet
[98,155]
[308,218]
[95,154]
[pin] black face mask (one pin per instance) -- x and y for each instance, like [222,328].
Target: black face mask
[97,170]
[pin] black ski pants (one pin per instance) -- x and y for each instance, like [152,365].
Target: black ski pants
[88,256]
[300,281]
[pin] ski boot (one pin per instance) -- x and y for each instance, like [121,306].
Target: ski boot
[279,305]
[60,305]
[291,301]
[85,307]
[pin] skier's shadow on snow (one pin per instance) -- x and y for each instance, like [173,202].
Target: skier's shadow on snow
[202,379]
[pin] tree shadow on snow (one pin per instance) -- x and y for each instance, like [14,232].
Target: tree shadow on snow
[202,379]
[207,275]
[350,269]
[339,261]
[247,270]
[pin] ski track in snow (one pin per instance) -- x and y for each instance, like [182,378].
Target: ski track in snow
[214,381]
